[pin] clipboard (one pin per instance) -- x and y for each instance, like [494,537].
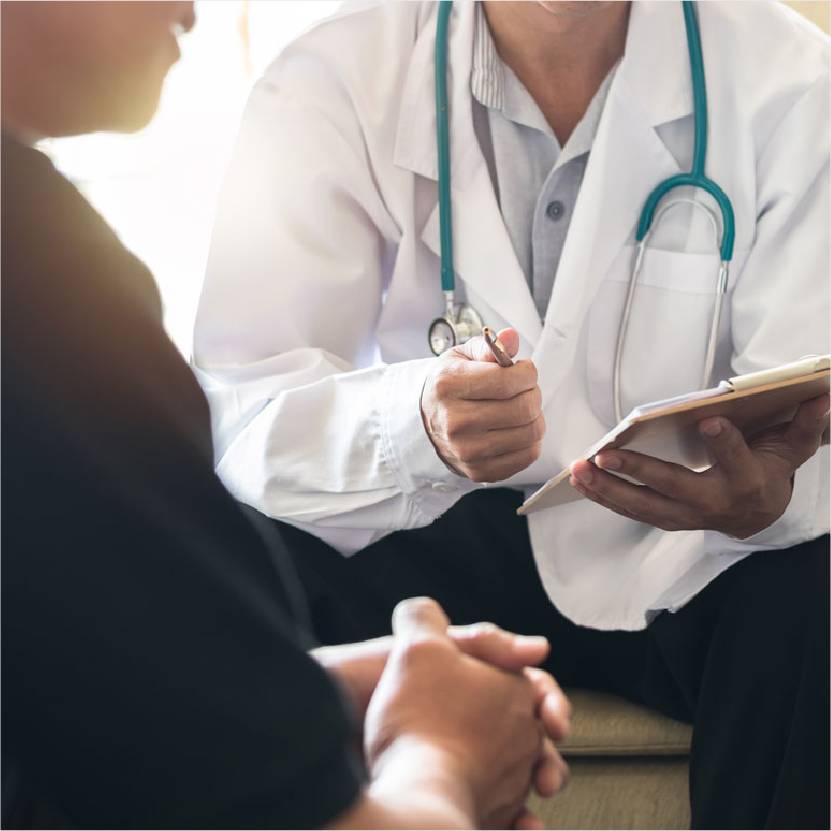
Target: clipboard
[668,430]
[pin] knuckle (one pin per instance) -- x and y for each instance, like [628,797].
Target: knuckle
[802,434]
[534,452]
[749,490]
[533,742]
[529,407]
[522,690]
[567,706]
[484,631]
[499,472]
[445,383]
[634,510]
[480,475]
[716,499]
[483,627]
[536,401]
[538,429]
[757,488]
[454,426]
[733,445]
[416,607]
[468,453]
[641,507]
[711,502]
[422,649]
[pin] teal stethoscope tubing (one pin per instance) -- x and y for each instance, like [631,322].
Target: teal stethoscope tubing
[696,178]
[448,281]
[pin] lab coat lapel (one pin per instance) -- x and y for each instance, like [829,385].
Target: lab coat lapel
[484,256]
[627,161]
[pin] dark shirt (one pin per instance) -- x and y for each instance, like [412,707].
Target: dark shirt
[154,670]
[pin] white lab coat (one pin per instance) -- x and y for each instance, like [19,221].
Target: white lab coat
[311,338]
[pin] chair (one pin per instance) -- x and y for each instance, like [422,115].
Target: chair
[629,768]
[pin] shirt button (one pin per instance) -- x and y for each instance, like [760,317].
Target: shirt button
[554,210]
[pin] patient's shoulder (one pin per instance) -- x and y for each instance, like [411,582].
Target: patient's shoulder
[56,246]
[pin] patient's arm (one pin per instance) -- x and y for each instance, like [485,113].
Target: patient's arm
[418,789]
[451,740]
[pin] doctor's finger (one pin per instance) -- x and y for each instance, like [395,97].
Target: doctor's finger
[476,349]
[804,433]
[638,502]
[503,467]
[667,478]
[478,380]
[480,416]
[482,446]
[727,447]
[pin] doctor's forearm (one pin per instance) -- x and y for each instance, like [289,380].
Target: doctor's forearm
[344,456]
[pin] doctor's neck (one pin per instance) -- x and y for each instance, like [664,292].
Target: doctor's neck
[560,50]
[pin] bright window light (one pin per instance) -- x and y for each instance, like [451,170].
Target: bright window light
[158,188]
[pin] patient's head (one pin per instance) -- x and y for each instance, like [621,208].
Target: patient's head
[70,68]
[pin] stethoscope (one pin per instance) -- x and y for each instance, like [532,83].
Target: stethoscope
[460,322]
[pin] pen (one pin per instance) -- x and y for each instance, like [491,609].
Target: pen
[499,351]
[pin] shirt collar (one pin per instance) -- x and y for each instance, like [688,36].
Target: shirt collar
[486,78]
[651,85]
[496,87]
[582,137]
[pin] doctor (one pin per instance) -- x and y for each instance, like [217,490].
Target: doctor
[705,596]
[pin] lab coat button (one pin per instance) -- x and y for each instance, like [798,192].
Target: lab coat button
[554,210]
[442,487]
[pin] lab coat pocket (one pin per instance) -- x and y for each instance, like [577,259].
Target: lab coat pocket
[666,341]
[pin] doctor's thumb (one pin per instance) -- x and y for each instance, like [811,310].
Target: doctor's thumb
[477,350]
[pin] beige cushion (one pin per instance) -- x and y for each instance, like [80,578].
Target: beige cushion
[605,725]
[629,768]
[620,792]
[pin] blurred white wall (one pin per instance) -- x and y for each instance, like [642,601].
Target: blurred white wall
[159,188]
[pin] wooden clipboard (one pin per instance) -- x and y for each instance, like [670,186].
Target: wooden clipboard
[670,433]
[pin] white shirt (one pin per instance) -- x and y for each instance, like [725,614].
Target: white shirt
[311,338]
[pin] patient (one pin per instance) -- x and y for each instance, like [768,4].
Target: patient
[156,670]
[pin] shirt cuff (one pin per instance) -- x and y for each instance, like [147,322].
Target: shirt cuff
[418,468]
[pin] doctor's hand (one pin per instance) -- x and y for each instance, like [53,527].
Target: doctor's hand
[748,487]
[479,731]
[485,421]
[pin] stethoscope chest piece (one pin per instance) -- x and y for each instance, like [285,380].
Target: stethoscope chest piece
[454,328]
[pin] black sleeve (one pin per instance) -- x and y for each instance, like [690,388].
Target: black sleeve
[154,671]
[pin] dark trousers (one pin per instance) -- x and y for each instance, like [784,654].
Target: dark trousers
[746,661]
